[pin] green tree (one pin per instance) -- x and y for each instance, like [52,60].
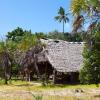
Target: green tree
[55,35]
[62,16]
[17,34]
[89,10]
[78,37]
[85,12]
[28,40]
[18,42]
[40,35]
[91,69]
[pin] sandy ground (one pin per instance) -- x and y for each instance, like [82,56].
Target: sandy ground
[68,92]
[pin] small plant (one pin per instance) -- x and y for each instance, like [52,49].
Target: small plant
[38,97]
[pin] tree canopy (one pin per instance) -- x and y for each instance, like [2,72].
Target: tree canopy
[85,12]
[89,10]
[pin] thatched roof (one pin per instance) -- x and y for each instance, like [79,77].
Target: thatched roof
[29,57]
[64,56]
[41,57]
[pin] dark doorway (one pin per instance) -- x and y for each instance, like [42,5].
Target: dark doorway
[67,78]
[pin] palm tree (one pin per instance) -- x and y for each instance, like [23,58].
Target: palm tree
[62,17]
[85,11]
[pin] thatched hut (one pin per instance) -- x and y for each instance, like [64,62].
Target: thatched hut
[65,58]
[59,59]
[35,62]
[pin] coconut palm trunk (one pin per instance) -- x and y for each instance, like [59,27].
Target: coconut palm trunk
[63,26]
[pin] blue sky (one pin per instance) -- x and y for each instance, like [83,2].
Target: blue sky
[37,15]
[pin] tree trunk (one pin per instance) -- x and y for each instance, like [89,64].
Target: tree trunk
[63,26]
[6,80]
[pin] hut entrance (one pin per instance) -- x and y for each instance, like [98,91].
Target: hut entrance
[67,78]
[45,68]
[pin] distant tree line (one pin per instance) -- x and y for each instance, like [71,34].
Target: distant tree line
[18,35]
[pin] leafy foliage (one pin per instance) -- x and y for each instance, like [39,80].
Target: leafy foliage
[85,11]
[77,6]
[27,42]
[15,35]
[89,10]
[78,37]
[91,70]
[40,35]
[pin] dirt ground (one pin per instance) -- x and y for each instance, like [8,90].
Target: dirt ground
[28,95]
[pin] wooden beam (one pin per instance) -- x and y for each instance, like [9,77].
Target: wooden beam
[54,76]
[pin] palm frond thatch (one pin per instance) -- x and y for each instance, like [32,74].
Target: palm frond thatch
[64,56]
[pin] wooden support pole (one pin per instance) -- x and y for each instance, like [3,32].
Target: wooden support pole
[72,77]
[54,76]
[36,67]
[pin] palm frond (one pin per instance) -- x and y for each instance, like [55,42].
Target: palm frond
[67,19]
[57,17]
[61,11]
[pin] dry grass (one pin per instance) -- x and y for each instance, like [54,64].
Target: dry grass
[19,90]
[51,98]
